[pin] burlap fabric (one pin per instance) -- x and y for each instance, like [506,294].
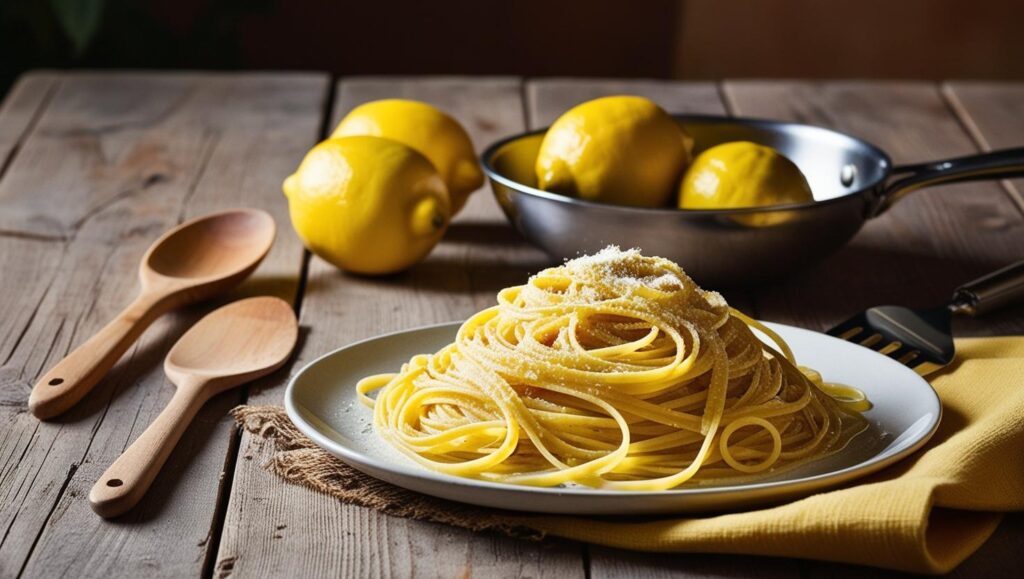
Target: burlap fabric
[298,460]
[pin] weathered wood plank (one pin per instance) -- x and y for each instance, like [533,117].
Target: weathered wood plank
[615,563]
[32,262]
[18,114]
[547,99]
[21,108]
[993,113]
[114,160]
[916,253]
[275,529]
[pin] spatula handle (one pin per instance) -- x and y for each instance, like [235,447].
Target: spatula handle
[995,290]
[74,376]
[127,480]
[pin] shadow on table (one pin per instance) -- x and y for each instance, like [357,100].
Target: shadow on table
[483,233]
[197,459]
[473,257]
[861,276]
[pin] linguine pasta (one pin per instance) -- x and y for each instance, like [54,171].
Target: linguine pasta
[613,371]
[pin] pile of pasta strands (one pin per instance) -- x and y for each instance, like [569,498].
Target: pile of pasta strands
[613,371]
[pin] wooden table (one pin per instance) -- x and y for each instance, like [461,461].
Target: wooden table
[94,166]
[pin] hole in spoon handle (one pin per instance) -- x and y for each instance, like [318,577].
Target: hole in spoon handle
[125,482]
[72,378]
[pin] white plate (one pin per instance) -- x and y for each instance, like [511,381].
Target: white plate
[321,400]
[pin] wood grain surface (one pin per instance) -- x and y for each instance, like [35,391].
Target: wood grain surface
[317,535]
[94,166]
[112,161]
[993,114]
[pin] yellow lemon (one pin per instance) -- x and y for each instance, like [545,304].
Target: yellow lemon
[742,174]
[439,137]
[620,149]
[367,204]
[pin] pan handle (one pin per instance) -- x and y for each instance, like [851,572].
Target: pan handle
[1002,164]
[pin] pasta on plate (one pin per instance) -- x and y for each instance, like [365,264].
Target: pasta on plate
[613,371]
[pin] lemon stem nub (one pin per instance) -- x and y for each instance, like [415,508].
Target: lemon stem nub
[428,217]
[289,185]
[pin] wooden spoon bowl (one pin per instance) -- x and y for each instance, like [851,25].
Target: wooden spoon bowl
[229,347]
[192,262]
[213,249]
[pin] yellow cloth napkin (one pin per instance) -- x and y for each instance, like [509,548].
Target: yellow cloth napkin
[924,515]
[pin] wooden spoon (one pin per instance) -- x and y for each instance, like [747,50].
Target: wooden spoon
[194,261]
[229,347]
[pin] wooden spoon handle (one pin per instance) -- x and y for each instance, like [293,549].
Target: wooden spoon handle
[127,480]
[67,382]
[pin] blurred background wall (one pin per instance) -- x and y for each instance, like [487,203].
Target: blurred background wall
[690,39]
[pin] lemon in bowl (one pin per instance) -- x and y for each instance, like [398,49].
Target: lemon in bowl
[742,174]
[429,130]
[368,205]
[623,150]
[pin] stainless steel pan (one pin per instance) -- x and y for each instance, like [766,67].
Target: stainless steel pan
[852,181]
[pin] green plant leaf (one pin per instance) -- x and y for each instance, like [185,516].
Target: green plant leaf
[79,19]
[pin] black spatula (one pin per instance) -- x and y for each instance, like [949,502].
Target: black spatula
[921,339]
